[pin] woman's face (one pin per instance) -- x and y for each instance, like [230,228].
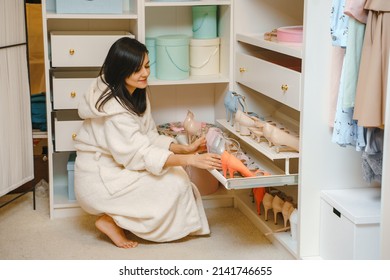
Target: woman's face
[139,79]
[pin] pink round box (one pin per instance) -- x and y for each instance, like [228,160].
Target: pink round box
[290,34]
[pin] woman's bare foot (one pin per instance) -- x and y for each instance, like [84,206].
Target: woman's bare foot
[107,225]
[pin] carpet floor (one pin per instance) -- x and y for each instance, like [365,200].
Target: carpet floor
[28,234]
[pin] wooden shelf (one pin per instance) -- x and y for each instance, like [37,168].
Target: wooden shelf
[291,49]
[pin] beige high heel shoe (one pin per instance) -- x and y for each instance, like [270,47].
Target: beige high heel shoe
[277,206]
[267,203]
[192,127]
[281,137]
[244,121]
[268,128]
[256,133]
[287,209]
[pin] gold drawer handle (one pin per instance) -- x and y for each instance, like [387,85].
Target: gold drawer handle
[73,94]
[284,88]
[74,135]
[242,70]
[71,51]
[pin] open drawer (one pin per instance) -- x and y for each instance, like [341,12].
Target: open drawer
[66,124]
[278,176]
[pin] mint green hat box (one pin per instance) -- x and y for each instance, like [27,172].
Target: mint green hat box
[172,57]
[204,22]
[150,44]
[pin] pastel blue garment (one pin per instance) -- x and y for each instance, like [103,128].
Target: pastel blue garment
[352,60]
[338,24]
[346,132]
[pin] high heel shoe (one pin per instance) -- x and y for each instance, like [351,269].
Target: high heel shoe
[267,204]
[256,133]
[294,223]
[232,163]
[287,209]
[244,121]
[192,127]
[258,194]
[231,101]
[281,137]
[268,128]
[215,141]
[277,205]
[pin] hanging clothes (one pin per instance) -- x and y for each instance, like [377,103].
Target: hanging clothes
[338,32]
[355,9]
[352,61]
[346,132]
[372,156]
[338,24]
[372,83]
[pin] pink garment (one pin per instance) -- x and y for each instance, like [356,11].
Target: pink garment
[355,9]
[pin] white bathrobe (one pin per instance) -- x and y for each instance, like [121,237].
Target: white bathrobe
[119,171]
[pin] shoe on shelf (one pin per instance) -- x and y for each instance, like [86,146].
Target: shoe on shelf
[232,164]
[232,102]
[258,194]
[283,138]
[277,205]
[267,204]
[287,209]
[256,133]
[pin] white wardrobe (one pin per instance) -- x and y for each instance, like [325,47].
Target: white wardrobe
[16,147]
[251,66]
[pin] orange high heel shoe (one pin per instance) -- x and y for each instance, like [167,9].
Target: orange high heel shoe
[277,205]
[258,194]
[267,203]
[232,163]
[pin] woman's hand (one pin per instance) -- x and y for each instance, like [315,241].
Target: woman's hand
[206,161]
[198,146]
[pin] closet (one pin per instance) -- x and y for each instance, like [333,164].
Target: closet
[16,149]
[285,83]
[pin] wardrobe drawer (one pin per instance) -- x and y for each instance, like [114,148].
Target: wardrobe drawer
[279,83]
[66,126]
[82,48]
[68,88]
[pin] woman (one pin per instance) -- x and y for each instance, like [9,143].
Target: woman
[126,172]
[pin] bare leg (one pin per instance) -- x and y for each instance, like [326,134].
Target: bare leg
[107,225]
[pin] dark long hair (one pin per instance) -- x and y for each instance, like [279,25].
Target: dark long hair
[124,58]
